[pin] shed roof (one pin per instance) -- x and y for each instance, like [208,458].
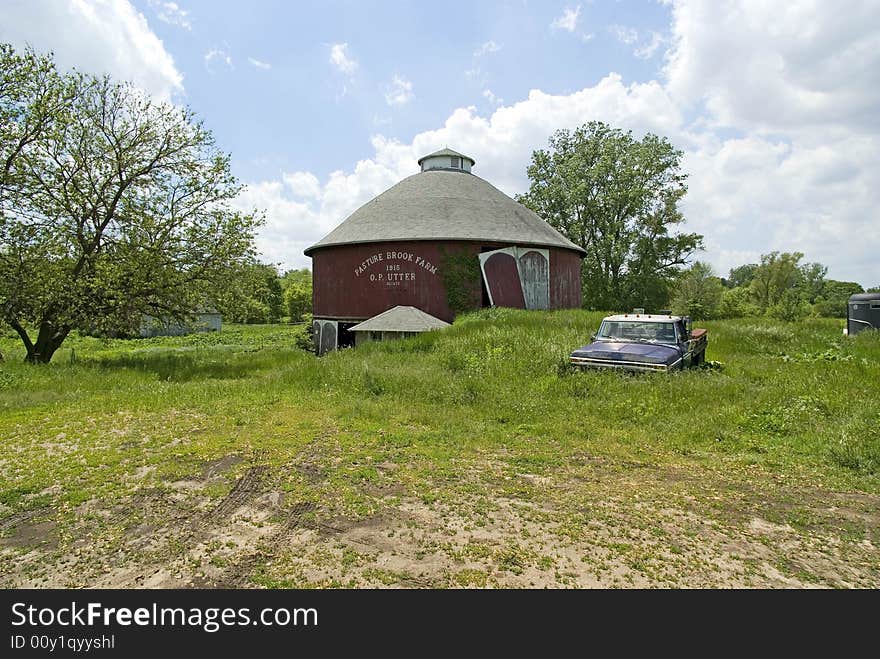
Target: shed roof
[442,204]
[400,319]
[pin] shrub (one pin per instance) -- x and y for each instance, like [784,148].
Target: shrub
[698,293]
[737,303]
[790,308]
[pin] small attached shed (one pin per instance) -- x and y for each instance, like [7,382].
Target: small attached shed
[396,323]
[862,312]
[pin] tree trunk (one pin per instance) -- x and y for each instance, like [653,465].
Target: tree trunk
[48,341]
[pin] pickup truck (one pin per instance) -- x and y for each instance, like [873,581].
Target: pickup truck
[643,342]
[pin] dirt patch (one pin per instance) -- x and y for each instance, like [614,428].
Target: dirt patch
[246,488]
[599,524]
[220,466]
[29,528]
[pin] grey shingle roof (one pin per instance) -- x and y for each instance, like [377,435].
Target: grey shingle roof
[400,319]
[444,205]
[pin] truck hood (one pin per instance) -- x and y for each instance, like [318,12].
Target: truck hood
[650,353]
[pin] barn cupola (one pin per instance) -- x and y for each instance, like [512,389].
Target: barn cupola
[447,159]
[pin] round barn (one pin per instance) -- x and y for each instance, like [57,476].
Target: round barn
[406,247]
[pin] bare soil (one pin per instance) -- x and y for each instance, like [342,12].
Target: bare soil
[597,525]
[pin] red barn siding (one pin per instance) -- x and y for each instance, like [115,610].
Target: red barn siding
[356,282]
[565,279]
[361,281]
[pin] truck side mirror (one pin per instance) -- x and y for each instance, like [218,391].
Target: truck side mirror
[592,337]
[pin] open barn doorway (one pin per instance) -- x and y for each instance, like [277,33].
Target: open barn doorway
[346,337]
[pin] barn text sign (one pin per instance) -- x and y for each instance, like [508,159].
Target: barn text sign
[392,268]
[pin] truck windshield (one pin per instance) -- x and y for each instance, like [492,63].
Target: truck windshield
[637,331]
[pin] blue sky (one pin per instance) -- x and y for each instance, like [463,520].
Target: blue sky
[323,105]
[450,54]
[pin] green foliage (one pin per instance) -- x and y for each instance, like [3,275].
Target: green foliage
[812,281]
[698,293]
[832,302]
[777,274]
[741,275]
[460,272]
[297,286]
[783,288]
[790,308]
[252,294]
[737,303]
[112,205]
[617,197]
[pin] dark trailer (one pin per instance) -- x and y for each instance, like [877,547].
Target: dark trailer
[862,312]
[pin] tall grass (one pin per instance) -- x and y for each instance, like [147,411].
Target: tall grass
[794,399]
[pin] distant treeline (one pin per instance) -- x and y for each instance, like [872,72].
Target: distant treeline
[780,286]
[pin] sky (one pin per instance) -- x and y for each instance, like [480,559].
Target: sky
[324,105]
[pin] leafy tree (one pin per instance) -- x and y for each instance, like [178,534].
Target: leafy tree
[116,208]
[617,197]
[297,286]
[698,292]
[253,294]
[812,281]
[790,307]
[776,274]
[34,99]
[270,293]
[741,276]
[737,303]
[835,296]
[873,289]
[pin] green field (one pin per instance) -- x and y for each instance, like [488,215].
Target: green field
[470,457]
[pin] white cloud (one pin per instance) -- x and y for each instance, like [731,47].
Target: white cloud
[340,58]
[795,85]
[476,74]
[769,67]
[487,48]
[171,13]
[568,21]
[290,227]
[399,91]
[307,208]
[649,48]
[624,34]
[799,178]
[101,37]
[489,95]
[259,64]
[218,56]
[303,184]
[646,46]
